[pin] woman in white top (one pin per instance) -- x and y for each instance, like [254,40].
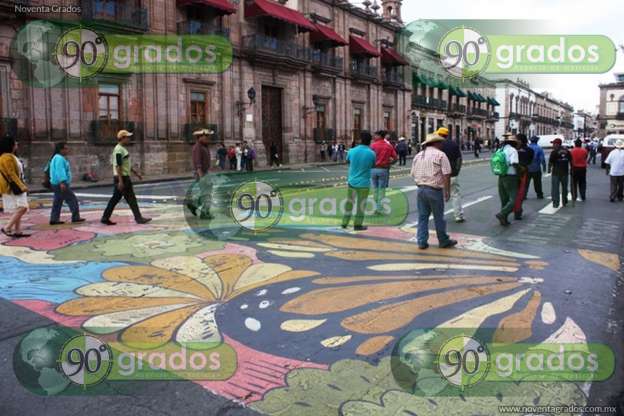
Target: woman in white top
[12,186]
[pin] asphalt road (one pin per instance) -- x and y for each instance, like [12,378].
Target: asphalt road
[591,296]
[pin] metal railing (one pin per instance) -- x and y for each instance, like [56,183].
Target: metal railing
[121,13]
[324,60]
[276,47]
[457,108]
[479,112]
[393,78]
[363,70]
[198,27]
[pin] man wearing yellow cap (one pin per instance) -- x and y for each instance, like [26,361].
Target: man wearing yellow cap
[122,167]
[454,155]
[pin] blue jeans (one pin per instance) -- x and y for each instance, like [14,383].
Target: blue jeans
[431,200]
[380,178]
[67,196]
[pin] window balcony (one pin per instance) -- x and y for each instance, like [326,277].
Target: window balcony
[619,116]
[393,79]
[273,49]
[458,109]
[363,71]
[428,102]
[493,116]
[478,112]
[8,127]
[197,27]
[326,62]
[118,15]
[105,131]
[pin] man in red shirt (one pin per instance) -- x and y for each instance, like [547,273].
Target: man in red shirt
[385,156]
[579,170]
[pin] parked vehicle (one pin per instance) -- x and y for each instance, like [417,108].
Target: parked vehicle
[606,145]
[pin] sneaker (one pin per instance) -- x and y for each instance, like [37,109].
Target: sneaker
[423,246]
[143,220]
[503,221]
[108,222]
[360,228]
[540,197]
[449,244]
[343,226]
[518,217]
[460,220]
[57,222]
[79,220]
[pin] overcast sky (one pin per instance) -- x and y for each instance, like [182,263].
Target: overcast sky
[603,17]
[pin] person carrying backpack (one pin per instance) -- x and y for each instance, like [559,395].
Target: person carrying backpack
[504,164]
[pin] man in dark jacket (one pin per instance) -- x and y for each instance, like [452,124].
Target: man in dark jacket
[559,164]
[525,158]
[454,155]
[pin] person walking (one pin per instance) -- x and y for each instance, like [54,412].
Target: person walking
[579,170]
[250,156]
[615,169]
[334,151]
[454,155]
[222,155]
[536,167]
[12,187]
[232,157]
[200,153]
[361,160]
[274,157]
[508,179]
[341,151]
[401,149]
[122,184]
[431,170]
[324,148]
[60,173]
[592,149]
[477,147]
[525,158]
[559,165]
[380,175]
[244,156]
[239,157]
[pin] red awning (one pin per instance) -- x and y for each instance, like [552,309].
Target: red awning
[223,6]
[327,34]
[360,46]
[390,56]
[269,8]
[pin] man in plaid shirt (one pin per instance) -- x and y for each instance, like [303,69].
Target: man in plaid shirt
[431,171]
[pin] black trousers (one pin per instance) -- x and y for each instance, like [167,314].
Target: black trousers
[579,182]
[127,194]
[536,177]
[617,188]
[402,159]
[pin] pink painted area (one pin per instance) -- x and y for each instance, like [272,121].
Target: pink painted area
[257,373]
[47,310]
[51,239]
[230,248]
[388,232]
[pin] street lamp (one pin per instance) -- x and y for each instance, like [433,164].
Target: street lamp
[240,105]
[316,100]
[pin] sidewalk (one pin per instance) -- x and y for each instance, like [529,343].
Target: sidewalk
[76,185]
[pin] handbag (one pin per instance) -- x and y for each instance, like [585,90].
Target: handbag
[15,188]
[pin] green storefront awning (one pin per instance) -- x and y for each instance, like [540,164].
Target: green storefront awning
[443,85]
[493,101]
[457,91]
[472,96]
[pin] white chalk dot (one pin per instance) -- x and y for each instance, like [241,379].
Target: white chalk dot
[290,290]
[253,324]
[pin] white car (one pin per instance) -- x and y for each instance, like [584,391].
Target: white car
[545,141]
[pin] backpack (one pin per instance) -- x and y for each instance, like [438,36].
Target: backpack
[498,163]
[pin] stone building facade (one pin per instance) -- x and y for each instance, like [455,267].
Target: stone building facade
[304,72]
[611,110]
[529,112]
[467,108]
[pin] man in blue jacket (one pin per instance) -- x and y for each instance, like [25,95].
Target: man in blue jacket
[535,169]
[60,179]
